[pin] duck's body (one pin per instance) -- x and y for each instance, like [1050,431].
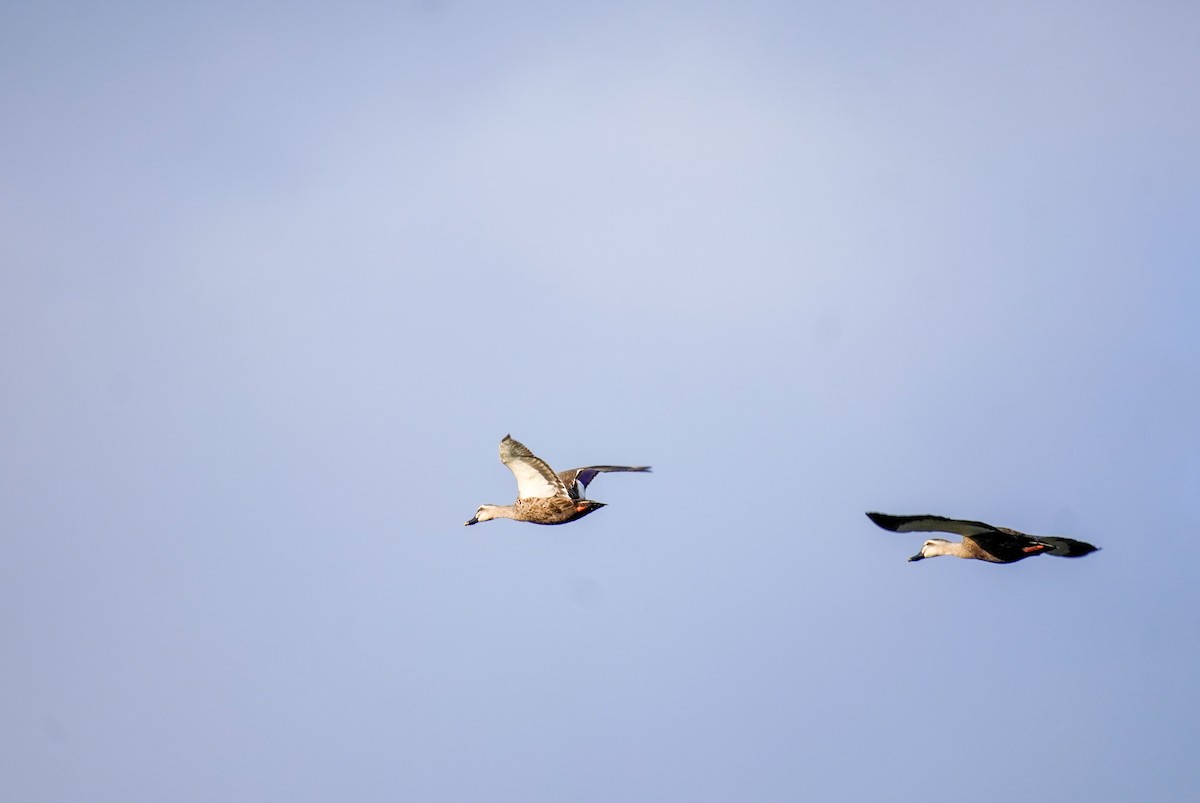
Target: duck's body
[544,497]
[980,541]
[538,510]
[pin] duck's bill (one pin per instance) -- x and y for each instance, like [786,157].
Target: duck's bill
[917,556]
[474,520]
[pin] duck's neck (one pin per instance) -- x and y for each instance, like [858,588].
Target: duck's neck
[500,511]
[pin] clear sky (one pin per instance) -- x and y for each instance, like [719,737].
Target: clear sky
[275,280]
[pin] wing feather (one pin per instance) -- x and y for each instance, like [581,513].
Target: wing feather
[577,479]
[535,479]
[1066,547]
[931,524]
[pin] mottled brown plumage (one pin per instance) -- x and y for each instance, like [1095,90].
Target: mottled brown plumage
[544,497]
[980,541]
[545,510]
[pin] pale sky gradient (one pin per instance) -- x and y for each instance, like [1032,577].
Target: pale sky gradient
[276,280]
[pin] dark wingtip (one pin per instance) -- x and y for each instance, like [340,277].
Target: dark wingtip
[885,521]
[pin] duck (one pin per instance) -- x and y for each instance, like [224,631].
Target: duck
[544,497]
[980,541]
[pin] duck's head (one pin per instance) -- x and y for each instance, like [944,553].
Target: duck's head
[484,513]
[931,549]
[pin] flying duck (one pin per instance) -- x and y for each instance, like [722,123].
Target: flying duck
[544,497]
[980,541]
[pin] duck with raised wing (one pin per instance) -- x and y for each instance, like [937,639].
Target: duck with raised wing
[980,541]
[544,497]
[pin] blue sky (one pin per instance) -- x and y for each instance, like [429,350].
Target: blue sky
[277,280]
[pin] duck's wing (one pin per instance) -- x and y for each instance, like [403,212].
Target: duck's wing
[576,479]
[933,524]
[1010,545]
[1065,547]
[535,479]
